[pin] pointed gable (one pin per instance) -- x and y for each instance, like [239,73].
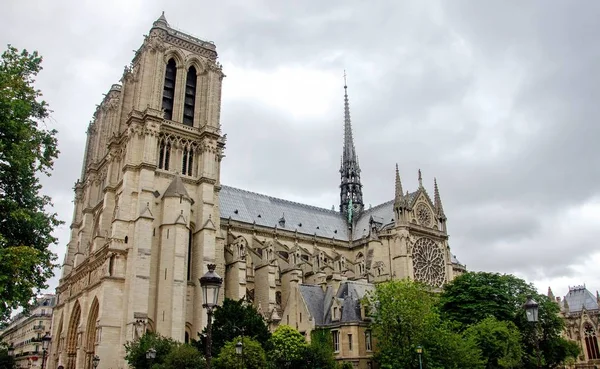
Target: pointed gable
[176,189]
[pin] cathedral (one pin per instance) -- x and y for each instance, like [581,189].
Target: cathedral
[150,214]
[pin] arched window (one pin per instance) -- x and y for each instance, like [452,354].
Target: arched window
[169,89]
[190,97]
[164,155]
[188,162]
[591,342]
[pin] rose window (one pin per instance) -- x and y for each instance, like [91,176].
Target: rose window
[424,215]
[428,263]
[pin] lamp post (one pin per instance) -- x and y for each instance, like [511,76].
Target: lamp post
[210,283]
[45,345]
[239,349]
[151,355]
[420,352]
[96,361]
[531,311]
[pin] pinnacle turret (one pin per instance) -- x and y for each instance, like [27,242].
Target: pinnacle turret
[161,21]
[439,209]
[351,199]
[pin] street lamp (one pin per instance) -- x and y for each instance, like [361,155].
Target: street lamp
[531,311]
[151,355]
[45,345]
[239,349]
[210,283]
[96,361]
[420,352]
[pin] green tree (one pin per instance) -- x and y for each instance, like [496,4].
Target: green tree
[135,351]
[319,353]
[475,296]
[254,356]
[499,342]
[6,361]
[287,348]
[404,318]
[184,357]
[27,149]
[232,319]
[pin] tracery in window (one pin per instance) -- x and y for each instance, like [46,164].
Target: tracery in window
[169,88]
[591,342]
[164,155]
[187,164]
[428,262]
[190,97]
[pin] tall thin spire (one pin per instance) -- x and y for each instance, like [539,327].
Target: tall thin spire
[349,150]
[439,209]
[399,192]
[350,186]
[420,179]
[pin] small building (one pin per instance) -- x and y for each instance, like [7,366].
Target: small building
[580,309]
[337,307]
[25,331]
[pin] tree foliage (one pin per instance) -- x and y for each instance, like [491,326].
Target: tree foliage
[475,296]
[26,149]
[135,351]
[404,318]
[6,361]
[287,348]
[184,357]
[319,353]
[233,319]
[499,342]
[253,356]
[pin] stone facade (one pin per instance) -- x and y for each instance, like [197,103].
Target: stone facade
[581,311]
[151,214]
[24,332]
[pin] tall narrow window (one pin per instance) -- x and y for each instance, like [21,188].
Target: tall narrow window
[189,256]
[350,341]
[190,97]
[336,340]
[187,162]
[591,342]
[164,155]
[169,89]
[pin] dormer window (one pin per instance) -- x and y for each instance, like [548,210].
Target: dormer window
[335,313]
[190,97]
[169,88]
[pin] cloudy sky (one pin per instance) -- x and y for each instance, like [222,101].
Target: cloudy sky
[498,100]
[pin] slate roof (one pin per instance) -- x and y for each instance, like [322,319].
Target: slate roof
[249,207]
[176,188]
[348,294]
[579,297]
[314,297]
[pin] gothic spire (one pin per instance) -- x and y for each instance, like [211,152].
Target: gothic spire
[420,179]
[399,192]
[351,199]
[349,153]
[439,209]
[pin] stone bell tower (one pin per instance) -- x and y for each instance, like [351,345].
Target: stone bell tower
[146,209]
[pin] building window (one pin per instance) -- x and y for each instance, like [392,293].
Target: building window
[169,89]
[368,342]
[591,342]
[334,317]
[300,317]
[350,341]
[164,155]
[336,340]
[189,255]
[190,97]
[188,162]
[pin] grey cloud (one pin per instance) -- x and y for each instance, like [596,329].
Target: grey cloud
[497,100]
